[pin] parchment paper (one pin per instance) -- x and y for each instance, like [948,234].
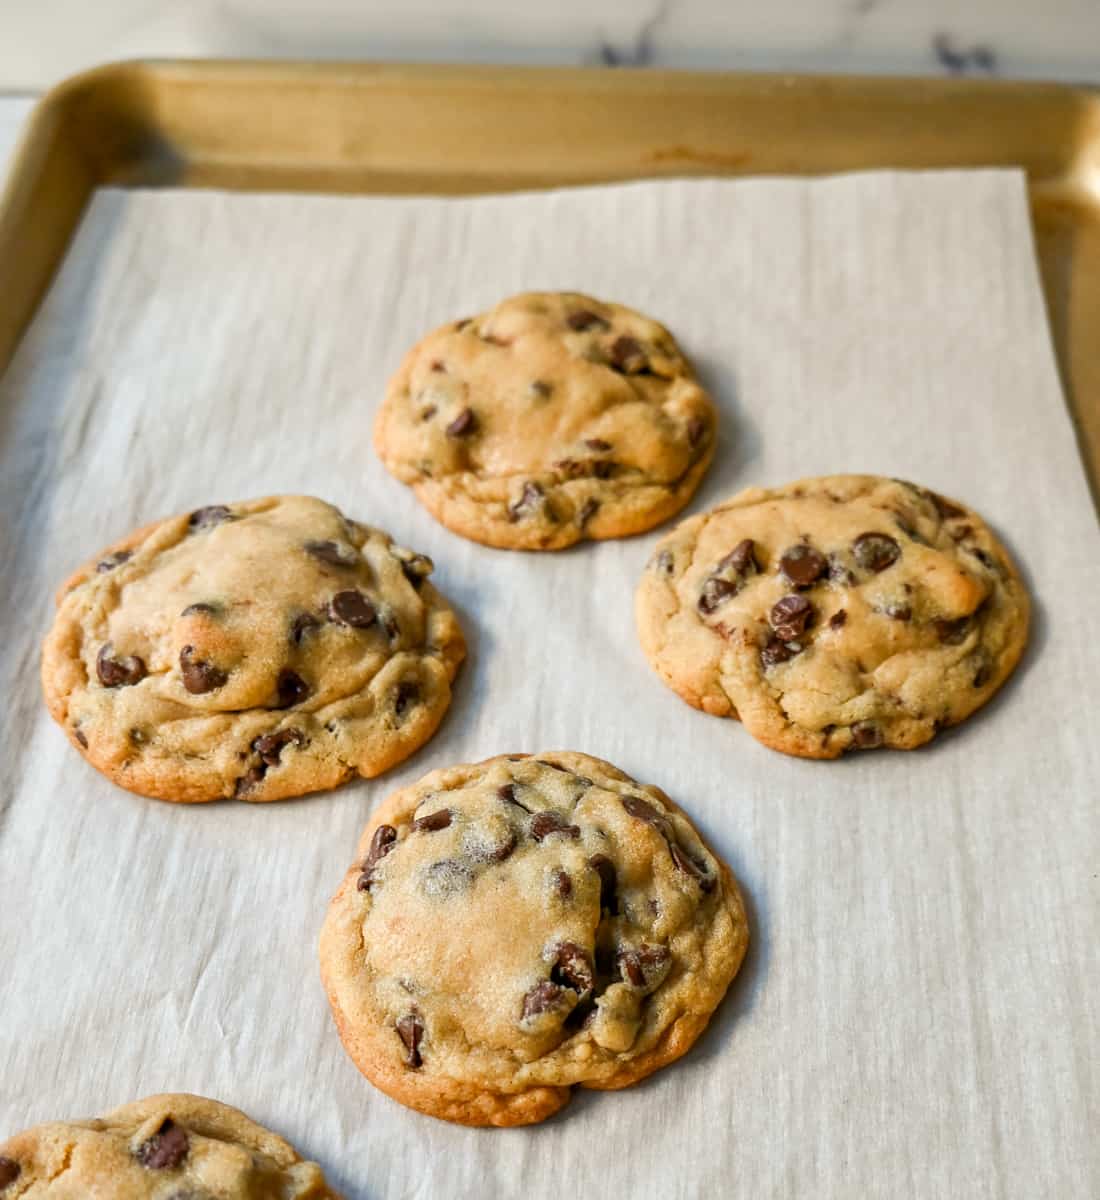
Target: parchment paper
[918,1012]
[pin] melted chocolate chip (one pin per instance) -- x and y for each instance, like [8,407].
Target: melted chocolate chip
[530,498]
[953,633]
[416,568]
[118,672]
[802,565]
[381,843]
[838,618]
[605,868]
[715,592]
[984,557]
[561,883]
[352,608]
[332,553]
[166,1149]
[597,444]
[790,616]
[291,687]
[640,964]
[208,517]
[875,551]
[199,676]
[249,780]
[685,863]
[80,737]
[644,811]
[438,366]
[301,625]
[776,651]
[573,968]
[982,675]
[410,1029]
[433,822]
[504,850]
[696,428]
[10,1171]
[587,511]
[201,609]
[113,560]
[463,424]
[866,735]
[408,693]
[583,319]
[544,824]
[540,388]
[947,509]
[269,746]
[626,355]
[543,997]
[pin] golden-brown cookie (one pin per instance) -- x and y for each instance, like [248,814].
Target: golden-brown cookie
[552,417]
[262,649]
[520,926]
[162,1148]
[846,612]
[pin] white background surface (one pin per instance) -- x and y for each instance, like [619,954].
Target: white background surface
[918,1012]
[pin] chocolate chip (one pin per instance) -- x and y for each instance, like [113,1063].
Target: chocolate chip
[301,625]
[740,559]
[626,355]
[437,366]
[269,746]
[208,517]
[390,626]
[199,676]
[776,651]
[947,509]
[507,793]
[561,883]
[543,997]
[381,843]
[866,736]
[602,469]
[696,427]
[463,324]
[583,319]
[962,533]
[953,633]
[597,444]
[249,780]
[332,553]
[426,414]
[440,819]
[683,862]
[201,609]
[504,850]
[531,498]
[838,618]
[118,672]
[644,811]
[292,688]
[716,591]
[573,968]
[802,565]
[113,560]
[663,563]
[410,1029]
[587,511]
[81,738]
[639,965]
[166,1149]
[544,824]
[898,612]
[463,424]
[605,868]
[415,567]
[352,608]
[790,616]
[540,388]
[875,551]
[408,692]
[982,675]
[985,558]
[10,1171]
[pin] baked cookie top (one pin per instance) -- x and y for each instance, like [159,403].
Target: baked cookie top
[552,417]
[521,925]
[162,1148]
[261,649]
[846,612]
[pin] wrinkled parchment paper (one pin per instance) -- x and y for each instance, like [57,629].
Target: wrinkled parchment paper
[918,1013]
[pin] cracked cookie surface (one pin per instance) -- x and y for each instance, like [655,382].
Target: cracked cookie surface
[550,418]
[261,650]
[846,612]
[520,926]
[173,1147]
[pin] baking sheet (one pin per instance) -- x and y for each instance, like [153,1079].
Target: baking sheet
[917,1014]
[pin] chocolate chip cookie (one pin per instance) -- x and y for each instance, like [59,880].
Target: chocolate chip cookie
[551,418]
[833,614]
[517,927]
[164,1148]
[260,650]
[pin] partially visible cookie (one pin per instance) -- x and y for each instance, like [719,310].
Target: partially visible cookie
[551,418]
[834,614]
[261,649]
[520,926]
[162,1148]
